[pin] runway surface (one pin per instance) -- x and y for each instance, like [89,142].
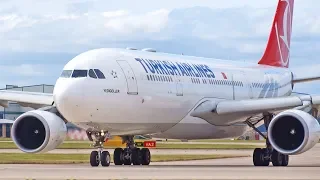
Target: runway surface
[305,166]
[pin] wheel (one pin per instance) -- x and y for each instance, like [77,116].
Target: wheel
[105,158]
[276,158]
[117,156]
[94,158]
[265,161]
[126,156]
[285,160]
[136,156]
[258,157]
[145,156]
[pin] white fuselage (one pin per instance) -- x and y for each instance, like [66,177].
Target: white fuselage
[153,93]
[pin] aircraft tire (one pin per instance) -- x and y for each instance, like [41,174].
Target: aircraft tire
[276,158]
[285,160]
[105,158]
[126,160]
[258,157]
[136,156]
[117,156]
[145,156]
[94,159]
[279,159]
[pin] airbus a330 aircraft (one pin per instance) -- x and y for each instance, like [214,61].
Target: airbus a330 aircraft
[130,92]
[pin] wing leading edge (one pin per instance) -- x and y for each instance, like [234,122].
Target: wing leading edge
[306,74]
[26,99]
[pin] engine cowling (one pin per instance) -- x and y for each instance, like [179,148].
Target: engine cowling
[38,131]
[293,132]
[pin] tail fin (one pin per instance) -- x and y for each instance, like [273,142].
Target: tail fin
[277,52]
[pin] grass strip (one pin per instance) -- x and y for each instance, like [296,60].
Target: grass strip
[19,158]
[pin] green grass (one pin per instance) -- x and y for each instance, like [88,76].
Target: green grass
[19,158]
[87,145]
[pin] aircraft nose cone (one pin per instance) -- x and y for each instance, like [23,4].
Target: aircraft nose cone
[67,96]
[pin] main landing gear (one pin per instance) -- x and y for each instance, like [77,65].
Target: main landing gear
[127,156]
[131,154]
[100,156]
[263,156]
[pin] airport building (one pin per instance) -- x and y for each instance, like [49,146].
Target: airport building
[14,110]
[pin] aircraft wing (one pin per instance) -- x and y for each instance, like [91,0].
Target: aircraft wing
[6,121]
[306,74]
[26,99]
[211,109]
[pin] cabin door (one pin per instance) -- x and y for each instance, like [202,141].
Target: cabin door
[130,77]
[242,88]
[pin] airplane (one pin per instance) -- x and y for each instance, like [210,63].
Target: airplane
[127,92]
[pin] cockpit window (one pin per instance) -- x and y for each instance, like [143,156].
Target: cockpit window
[99,74]
[79,73]
[92,74]
[66,73]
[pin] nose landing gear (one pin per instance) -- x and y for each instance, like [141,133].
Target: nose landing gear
[100,156]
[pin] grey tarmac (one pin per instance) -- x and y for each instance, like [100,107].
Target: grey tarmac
[304,166]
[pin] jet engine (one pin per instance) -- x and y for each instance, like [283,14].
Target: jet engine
[38,131]
[293,132]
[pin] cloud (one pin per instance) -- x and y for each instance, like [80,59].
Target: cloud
[124,23]
[46,34]
[73,32]
[114,14]
[64,29]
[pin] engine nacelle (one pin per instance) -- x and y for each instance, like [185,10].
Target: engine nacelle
[38,131]
[293,132]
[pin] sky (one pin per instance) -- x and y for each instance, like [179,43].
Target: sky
[37,38]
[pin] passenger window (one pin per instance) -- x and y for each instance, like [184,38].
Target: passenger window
[99,74]
[66,73]
[92,74]
[79,73]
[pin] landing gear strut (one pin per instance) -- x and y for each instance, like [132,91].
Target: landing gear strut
[131,154]
[100,156]
[263,156]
